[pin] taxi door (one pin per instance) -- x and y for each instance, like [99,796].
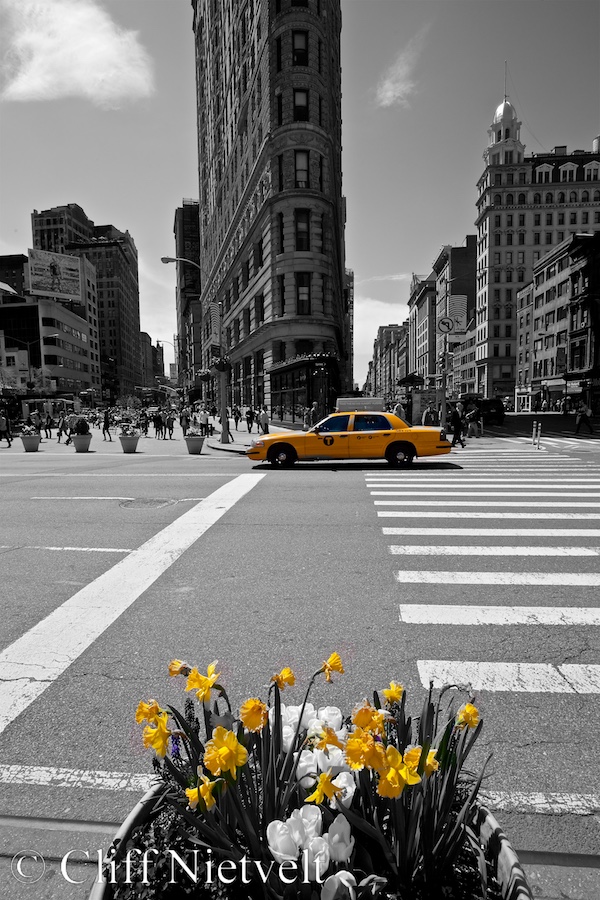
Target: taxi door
[369,437]
[330,441]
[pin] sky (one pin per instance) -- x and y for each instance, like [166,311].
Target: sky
[97,107]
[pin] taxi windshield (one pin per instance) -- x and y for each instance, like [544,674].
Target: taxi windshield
[334,423]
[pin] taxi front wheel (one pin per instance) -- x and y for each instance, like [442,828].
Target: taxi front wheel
[282,455]
[400,453]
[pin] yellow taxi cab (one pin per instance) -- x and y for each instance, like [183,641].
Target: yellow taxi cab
[352,435]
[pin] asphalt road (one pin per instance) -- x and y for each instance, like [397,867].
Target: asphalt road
[112,566]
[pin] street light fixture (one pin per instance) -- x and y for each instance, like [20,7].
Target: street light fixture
[222,375]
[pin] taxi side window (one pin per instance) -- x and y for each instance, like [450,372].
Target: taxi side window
[335,423]
[371,423]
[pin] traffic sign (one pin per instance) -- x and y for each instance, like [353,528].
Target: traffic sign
[445,325]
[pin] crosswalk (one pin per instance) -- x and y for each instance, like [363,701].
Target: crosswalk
[531,567]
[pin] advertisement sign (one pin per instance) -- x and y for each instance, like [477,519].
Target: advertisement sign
[54,275]
[457,311]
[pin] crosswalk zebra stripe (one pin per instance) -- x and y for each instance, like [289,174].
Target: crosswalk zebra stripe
[465,514]
[486,550]
[536,802]
[442,614]
[514,677]
[539,579]
[493,532]
[462,493]
[497,504]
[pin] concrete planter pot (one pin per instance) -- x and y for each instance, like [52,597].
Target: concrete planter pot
[129,442]
[194,444]
[506,865]
[81,442]
[31,442]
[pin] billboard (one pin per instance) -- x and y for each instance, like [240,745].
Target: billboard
[457,311]
[54,275]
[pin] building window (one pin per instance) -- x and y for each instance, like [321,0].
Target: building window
[536,237]
[537,219]
[507,350]
[497,221]
[300,106]
[259,309]
[321,172]
[281,237]
[521,237]
[280,171]
[496,350]
[278,54]
[548,237]
[299,48]
[303,294]
[299,2]
[573,218]
[302,221]
[279,109]
[281,309]
[258,256]
[246,317]
[301,168]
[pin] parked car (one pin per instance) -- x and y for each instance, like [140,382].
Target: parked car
[352,435]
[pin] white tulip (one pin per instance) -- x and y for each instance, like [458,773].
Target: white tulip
[339,837]
[331,716]
[333,758]
[307,769]
[345,781]
[281,841]
[339,887]
[316,853]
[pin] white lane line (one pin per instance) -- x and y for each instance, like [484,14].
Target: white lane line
[119,474]
[496,504]
[77,549]
[499,550]
[542,804]
[440,614]
[56,776]
[452,513]
[485,493]
[495,532]
[82,498]
[540,579]
[483,484]
[34,661]
[518,677]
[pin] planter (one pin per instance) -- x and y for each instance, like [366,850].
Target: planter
[81,442]
[194,444]
[129,442]
[31,442]
[507,868]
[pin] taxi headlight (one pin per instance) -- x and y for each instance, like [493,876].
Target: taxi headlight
[443,434]
[257,444]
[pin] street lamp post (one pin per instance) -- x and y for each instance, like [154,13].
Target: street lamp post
[222,375]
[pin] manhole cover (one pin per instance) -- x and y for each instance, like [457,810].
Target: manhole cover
[146,503]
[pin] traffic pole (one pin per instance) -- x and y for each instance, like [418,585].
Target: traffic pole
[534,433]
[539,436]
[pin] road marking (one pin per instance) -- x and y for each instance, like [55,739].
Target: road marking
[495,532]
[440,614]
[499,550]
[82,498]
[542,804]
[450,513]
[119,474]
[517,677]
[54,776]
[77,549]
[540,579]
[34,661]
[484,493]
[497,504]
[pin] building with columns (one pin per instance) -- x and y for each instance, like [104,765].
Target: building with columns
[274,293]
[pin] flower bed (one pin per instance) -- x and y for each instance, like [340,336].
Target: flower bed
[290,801]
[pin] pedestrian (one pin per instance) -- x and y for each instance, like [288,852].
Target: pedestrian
[37,421]
[263,420]
[400,411]
[203,417]
[61,426]
[314,413]
[582,417]
[456,423]
[143,422]
[429,416]
[307,418]
[213,411]
[5,433]
[71,422]
[48,423]
[106,426]
[249,418]
[236,416]
[471,418]
[184,421]
[170,423]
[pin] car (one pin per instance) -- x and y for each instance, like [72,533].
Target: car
[352,435]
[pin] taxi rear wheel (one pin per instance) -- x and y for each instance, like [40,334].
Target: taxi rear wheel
[400,454]
[282,455]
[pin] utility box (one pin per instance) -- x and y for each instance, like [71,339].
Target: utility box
[360,404]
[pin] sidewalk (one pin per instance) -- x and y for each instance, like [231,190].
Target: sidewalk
[241,438]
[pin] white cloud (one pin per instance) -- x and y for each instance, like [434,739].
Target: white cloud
[369,315]
[397,276]
[71,48]
[398,83]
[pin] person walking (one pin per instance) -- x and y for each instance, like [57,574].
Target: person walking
[314,413]
[184,421]
[48,423]
[263,420]
[429,416]
[61,427]
[170,423]
[236,416]
[249,418]
[400,411]
[203,418]
[5,434]
[582,417]
[106,426]
[456,423]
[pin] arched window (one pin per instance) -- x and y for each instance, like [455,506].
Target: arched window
[573,197]
[497,200]
[537,198]
[561,197]
[522,198]
[549,198]
[507,133]
[510,199]
[596,196]
[508,312]
[585,197]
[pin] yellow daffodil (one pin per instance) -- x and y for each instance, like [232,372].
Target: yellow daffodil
[368,718]
[397,775]
[254,714]
[224,753]
[203,791]
[333,664]
[177,667]
[393,694]
[202,684]
[412,758]
[324,788]
[286,676]
[467,716]
[330,739]
[148,712]
[157,737]
[363,750]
